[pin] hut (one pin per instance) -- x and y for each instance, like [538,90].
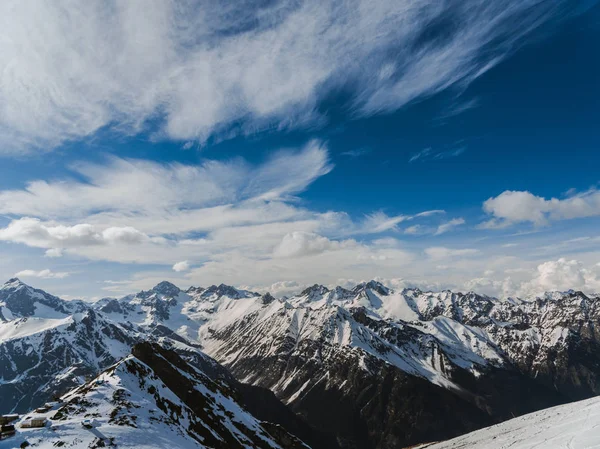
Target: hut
[6,419]
[7,430]
[34,422]
[43,408]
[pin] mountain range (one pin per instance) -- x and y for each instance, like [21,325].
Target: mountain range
[367,367]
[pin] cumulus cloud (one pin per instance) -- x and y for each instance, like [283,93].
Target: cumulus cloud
[34,232]
[498,288]
[181,266]
[202,68]
[554,275]
[561,275]
[511,207]
[43,274]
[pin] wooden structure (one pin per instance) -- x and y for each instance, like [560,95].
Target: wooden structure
[43,408]
[6,431]
[6,419]
[34,422]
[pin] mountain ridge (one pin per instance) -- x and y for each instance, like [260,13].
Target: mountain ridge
[153,398]
[492,359]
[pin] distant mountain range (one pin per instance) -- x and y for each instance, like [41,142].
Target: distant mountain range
[367,367]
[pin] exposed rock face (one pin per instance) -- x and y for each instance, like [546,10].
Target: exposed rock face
[365,400]
[182,378]
[326,355]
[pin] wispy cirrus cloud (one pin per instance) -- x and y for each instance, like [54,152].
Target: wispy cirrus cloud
[134,186]
[428,154]
[357,152]
[249,67]
[449,225]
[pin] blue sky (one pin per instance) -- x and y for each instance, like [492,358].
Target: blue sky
[452,145]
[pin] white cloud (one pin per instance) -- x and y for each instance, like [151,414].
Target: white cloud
[512,207]
[502,288]
[279,289]
[130,186]
[54,252]
[357,152]
[43,274]
[555,275]
[33,232]
[420,155]
[288,173]
[356,261]
[429,213]
[415,230]
[201,67]
[380,222]
[147,212]
[561,275]
[441,252]
[425,285]
[429,155]
[181,266]
[448,226]
[299,244]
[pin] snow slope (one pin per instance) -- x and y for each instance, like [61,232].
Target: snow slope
[570,426]
[132,405]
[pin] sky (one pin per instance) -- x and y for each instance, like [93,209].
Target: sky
[272,145]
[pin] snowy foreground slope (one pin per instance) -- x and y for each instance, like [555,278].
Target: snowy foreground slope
[570,426]
[164,403]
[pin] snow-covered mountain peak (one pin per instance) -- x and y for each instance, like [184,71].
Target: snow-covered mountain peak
[341,293]
[217,291]
[166,288]
[315,291]
[267,298]
[12,283]
[18,299]
[195,290]
[372,285]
